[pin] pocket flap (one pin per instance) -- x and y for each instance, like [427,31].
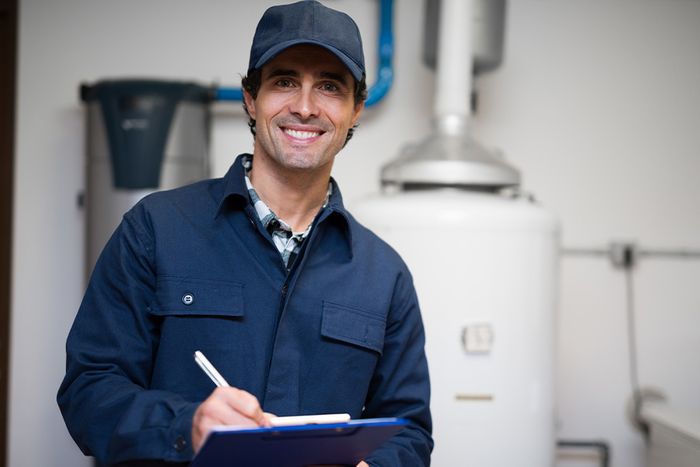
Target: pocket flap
[187,296]
[353,326]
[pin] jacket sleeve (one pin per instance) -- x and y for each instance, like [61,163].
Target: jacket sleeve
[105,398]
[401,386]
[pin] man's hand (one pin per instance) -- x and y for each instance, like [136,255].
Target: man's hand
[361,464]
[226,406]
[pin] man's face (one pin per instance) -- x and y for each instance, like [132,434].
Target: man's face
[304,109]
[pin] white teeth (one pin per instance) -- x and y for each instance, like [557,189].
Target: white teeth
[301,134]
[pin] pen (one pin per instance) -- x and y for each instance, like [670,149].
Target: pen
[219,380]
[209,369]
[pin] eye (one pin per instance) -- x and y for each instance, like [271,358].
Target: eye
[284,83]
[330,87]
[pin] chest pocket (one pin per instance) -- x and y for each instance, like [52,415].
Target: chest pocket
[354,326]
[179,296]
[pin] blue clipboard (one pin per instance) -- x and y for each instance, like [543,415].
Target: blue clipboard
[296,446]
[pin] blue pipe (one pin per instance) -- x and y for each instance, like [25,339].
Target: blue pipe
[229,94]
[385,73]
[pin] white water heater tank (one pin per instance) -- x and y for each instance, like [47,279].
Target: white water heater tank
[485,268]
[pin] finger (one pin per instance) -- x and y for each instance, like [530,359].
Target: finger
[245,404]
[268,419]
[220,408]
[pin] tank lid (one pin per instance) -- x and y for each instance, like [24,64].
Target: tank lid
[138,116]
[449,157]
[175,90]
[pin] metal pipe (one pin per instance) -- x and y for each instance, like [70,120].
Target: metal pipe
[385,71]
[454,66]
[602,447]
[228,94]
[678,253]
[683,253]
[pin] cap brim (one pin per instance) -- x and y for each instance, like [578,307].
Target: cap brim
[275,50]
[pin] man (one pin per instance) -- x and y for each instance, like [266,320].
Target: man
[300,308]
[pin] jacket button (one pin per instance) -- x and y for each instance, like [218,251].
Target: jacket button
[179,443]
[188,299]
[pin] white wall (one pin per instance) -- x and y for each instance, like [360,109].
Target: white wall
[596,102]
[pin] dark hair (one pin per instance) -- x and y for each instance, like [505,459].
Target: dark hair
[251,84]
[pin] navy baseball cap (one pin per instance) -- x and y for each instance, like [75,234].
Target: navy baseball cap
[307,22]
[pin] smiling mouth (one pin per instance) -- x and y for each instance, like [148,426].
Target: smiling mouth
[302,135]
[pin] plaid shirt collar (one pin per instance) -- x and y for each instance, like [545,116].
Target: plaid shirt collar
[287,241]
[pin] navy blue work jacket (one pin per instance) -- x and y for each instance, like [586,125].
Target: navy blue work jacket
[193,269]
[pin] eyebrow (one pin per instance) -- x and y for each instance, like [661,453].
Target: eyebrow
[282,72]
[342,79]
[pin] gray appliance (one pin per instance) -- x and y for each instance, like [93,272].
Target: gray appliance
[142,136]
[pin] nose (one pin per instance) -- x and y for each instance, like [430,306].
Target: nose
[304,103]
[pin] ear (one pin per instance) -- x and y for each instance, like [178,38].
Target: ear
[249,104]
[357,112]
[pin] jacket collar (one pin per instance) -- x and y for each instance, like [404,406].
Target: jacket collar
[235,195]
[234,187]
